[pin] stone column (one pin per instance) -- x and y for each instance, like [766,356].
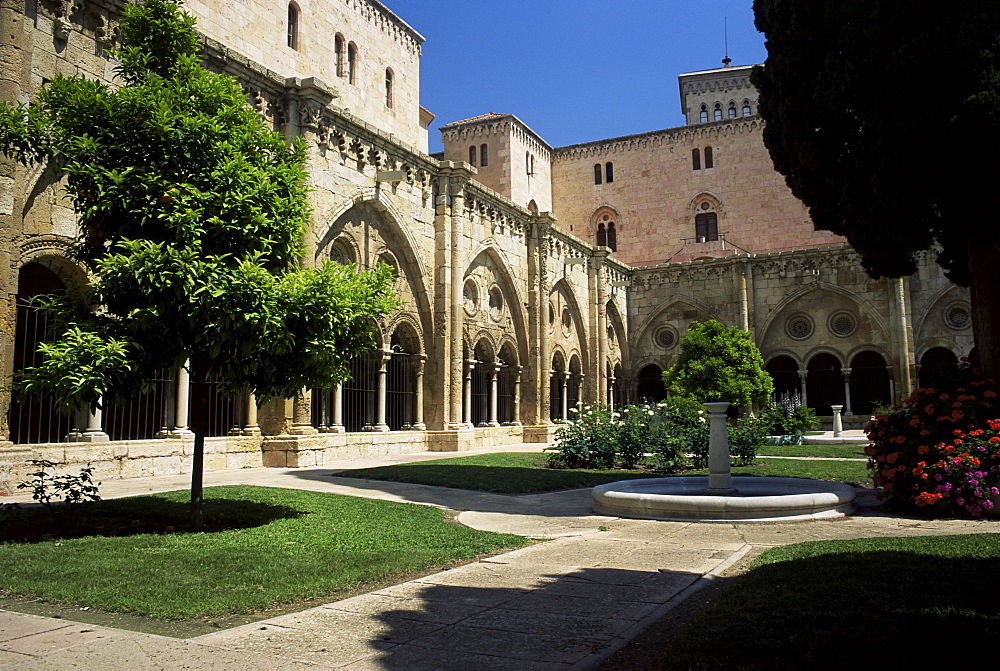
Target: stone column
[456,188]
[564,382]
[720,480]
[338,409]
[182,391]
[94,433]
[418,401]
[302,415]
[902,332]
[494,371]
[251,428]
[380,424]
[846,372]
[517,397]
[467,395]
[802,376]
[611,392]
[838,424]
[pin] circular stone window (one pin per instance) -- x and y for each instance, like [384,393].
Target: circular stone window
[496,303]
[799,327]
[842,324]
[958,317]
[471,295]
[665,337]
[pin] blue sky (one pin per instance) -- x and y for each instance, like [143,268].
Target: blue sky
[574,71]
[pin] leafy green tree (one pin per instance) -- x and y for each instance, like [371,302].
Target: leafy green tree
[719,363]
[884,117]
[192,216]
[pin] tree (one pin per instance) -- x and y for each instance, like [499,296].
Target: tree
[884,117]
[719,363]
[192,216]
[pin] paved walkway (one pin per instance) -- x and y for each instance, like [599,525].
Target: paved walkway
[562,604]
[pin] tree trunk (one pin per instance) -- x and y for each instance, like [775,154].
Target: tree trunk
[984,264]
[199,425]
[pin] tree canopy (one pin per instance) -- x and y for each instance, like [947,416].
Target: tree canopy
[192,215]
[719,363]
[883,116]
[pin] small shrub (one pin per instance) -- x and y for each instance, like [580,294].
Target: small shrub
[49,489]
[939,449]
[744,440]
[786,416]
[587,441]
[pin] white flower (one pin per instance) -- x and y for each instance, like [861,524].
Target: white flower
[702,420]
[651,413]
[616,414]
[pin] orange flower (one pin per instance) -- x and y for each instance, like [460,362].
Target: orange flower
[923,449]
[989,394]
[891,457]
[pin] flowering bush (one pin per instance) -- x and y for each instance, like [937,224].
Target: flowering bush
[939,449]
[587,441]
[786,416]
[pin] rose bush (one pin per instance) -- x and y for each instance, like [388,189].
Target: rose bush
[939,450]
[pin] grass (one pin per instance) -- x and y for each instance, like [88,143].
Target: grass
[265,546]
[838,451]
[882,603]
[525,473]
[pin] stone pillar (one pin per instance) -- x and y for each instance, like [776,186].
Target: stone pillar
[802,376]
[467,395]
[456,188]
[838,424]
[302,414]
[251,428]
[611,392]
[494,382]
[338,409]
[902,333]
[720,480]
[182,392]
[517,397]
[564,382]
[94,433]
[383,371]
[846,372]
[418,401]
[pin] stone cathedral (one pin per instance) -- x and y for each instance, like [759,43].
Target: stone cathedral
[533,278]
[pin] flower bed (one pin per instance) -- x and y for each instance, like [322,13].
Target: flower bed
[939,449]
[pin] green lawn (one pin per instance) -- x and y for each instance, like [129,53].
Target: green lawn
[891,603]
[841,451]
[525,472]
[265,546]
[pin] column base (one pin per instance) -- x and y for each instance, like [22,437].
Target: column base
[418,427]
[88,437]
[250,431]
[176,434]
[303,430]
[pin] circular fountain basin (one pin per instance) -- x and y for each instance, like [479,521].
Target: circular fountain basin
[755,499]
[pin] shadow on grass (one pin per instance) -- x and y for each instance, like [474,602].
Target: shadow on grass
[843,608]
[152,514]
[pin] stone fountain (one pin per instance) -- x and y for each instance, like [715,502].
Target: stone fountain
[722,497]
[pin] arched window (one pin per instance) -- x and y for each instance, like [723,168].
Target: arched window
[532,206]
[388,87]
[746,108]
[605,220]
[696,159]
[718,112]
[598,174]
[602,236]
[703,117]
[706,226]
[338,52]
[483,156]
[293,25]
[352,62]
[732,110]
[612,236]
[609,172]
[709,163]
[472,155]
[529,163]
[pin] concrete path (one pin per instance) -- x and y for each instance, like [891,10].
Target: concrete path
[565,603]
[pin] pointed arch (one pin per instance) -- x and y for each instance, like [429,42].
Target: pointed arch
[563,287]
[514,300]
[780,310]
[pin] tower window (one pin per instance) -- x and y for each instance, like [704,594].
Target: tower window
[709,163]
[609,172]
[746,108]
[696,159]
[612,236]
[732,110]
[706,226]
[718,112]
[529,163]
[388,87]
[352,62]
[293,25]
[598,174]
[602,236]
[338,53]
[483,156]
[472,155]
[703,116]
